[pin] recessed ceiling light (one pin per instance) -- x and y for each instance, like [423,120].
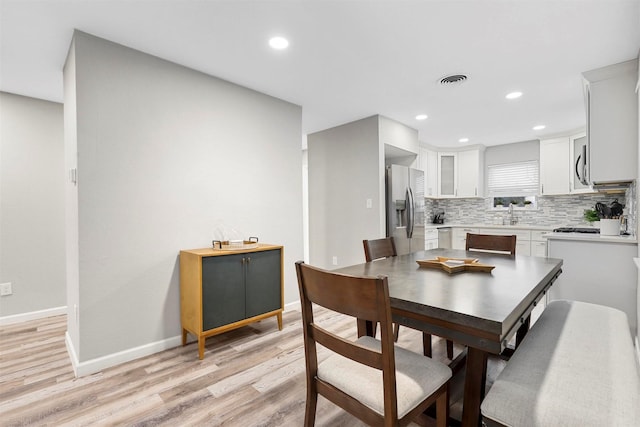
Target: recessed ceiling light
[463,140]
[421,117]
[513,95]
[278,43]
[539,127]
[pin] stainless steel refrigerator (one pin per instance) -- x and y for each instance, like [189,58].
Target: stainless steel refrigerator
[405,208]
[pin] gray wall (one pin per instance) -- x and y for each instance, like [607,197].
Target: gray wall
[163,154]
[31,204]
[344,171]
[346,166]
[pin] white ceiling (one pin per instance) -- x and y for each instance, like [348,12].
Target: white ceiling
[352,59]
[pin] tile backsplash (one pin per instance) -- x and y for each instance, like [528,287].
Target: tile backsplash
[551,210]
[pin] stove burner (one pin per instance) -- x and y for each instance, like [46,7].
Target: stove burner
[577,230]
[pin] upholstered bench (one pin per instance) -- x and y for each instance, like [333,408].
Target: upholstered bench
[576,367]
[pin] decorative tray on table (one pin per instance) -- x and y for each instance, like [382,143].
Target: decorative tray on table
[235,245]
[456,265]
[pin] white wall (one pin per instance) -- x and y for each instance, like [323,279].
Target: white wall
[31,204]
[347,167]
[637,222]
[344,171]
[164,154]
[398,135]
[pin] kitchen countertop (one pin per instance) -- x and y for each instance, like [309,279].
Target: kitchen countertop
[632,240]
[496,226]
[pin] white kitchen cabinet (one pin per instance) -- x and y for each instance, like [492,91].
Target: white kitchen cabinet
[555,166]
[460,174]
[431,175]
[428,163]
[539,249]
[523,238]
[430,238]
[575,145]
[447,174]
[612,122]
[469,174]
[539,243]
[598,272]
[459,237]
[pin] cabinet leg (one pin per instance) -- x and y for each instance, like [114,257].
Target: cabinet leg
[184,337]
[201,347]
[279,316]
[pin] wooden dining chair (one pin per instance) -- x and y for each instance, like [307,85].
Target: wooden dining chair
[490,243]
[377,249]
[384,248]
[377,382]
[494,244]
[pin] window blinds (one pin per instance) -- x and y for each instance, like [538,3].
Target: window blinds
[513,179]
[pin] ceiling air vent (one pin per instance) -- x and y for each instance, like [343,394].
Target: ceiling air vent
[455,78]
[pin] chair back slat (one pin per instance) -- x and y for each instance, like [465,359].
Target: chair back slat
[379,248]
[346,348]
[487,242]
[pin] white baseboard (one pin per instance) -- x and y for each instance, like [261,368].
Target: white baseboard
[32,315]
[96,365]
[295,306]
[92,366]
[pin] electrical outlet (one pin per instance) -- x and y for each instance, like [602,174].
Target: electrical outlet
[5,289]
[335,260]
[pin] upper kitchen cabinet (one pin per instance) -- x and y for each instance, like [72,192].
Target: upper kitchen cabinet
[447,174]
[555,166]
[470,177]
[560,170]
[576,142]
[460,174]
[612,123]
[428,163]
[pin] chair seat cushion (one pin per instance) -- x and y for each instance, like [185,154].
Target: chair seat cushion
[576,367]
[417,377]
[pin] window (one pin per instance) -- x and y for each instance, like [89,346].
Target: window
[513,179]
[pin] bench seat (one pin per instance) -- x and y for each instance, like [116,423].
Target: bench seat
[576,367]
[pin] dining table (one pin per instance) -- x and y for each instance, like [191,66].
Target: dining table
[481,309]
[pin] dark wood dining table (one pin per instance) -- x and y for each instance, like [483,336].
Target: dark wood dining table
[480,310]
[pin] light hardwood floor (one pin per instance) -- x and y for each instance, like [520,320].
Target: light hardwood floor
[253,376]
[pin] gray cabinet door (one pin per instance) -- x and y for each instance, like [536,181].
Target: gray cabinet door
[223,290]
[263,282]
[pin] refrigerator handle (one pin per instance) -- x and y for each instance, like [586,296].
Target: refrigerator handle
[410,213]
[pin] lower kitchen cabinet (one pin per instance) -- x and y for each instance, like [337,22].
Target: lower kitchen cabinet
[459,237]
[430,238]
[523,238]
[222,290]
[528,242]
[598,272]
[539,243]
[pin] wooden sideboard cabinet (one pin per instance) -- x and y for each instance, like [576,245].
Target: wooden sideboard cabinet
[221,290]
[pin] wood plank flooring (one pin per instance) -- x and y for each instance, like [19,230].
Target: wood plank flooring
[253,376]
